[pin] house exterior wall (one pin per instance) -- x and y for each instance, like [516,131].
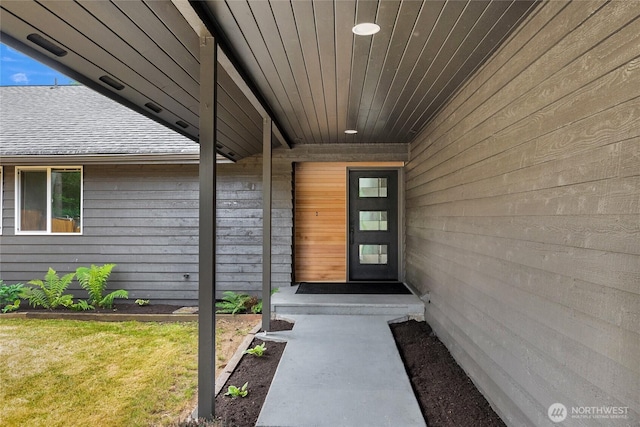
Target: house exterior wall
[239,226]
[523,217]
[239,233]
[144,218]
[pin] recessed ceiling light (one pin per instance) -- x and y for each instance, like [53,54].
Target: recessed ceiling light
[350,131]
[366,29]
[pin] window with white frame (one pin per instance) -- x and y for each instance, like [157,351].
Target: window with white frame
[49,200]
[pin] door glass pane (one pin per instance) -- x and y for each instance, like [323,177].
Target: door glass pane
[33,200]
[65,195]
[372,187]
[373,221]
[373,254]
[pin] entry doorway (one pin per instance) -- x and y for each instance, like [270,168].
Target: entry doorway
[373,225]
[321,220]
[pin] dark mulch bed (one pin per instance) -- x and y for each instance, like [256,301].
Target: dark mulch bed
[258,372]
[445,393]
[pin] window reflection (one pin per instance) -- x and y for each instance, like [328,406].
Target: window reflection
[373,221]
[372,187]
[373,254]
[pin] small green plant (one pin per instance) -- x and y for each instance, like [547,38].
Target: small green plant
[50,292]
[94,280]
[10,296]
[234,391]
[257,307]
[142,302]
[250,302]
[11,307]
[82,305]
[258,350]
[232,303]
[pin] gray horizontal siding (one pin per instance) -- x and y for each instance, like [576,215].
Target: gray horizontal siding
[144,218]
[140,217]
[239,222]
[523,216]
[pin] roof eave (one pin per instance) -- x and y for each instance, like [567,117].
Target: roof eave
[115,159]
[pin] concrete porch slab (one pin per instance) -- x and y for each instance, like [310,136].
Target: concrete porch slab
[287,302]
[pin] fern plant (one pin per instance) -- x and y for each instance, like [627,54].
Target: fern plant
[50,292]
[94,280]
[257,307]
[82,305]
[232,303]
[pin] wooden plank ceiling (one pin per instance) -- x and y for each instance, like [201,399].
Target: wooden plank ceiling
[312,73]
[320,79]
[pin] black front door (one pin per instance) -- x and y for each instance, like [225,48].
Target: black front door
[373,225]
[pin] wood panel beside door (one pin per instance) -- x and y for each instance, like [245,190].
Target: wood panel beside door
[321,219]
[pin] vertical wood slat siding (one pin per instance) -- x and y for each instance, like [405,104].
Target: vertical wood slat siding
[144,218]
[523,216]
[320,219]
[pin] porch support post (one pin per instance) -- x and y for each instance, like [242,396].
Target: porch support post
[266,222]
[207,225]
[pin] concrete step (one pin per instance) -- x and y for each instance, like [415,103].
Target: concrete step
[287,302]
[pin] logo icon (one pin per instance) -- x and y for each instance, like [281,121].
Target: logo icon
[557,412]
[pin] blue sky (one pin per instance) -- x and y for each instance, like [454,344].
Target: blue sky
[17,69]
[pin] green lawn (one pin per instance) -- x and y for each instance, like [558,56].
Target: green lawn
[75,373]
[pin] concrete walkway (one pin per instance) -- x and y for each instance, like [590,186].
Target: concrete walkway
[340,370]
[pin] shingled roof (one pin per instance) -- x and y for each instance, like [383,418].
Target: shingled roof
[75,120]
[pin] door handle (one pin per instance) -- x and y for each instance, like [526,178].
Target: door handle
[351,232]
